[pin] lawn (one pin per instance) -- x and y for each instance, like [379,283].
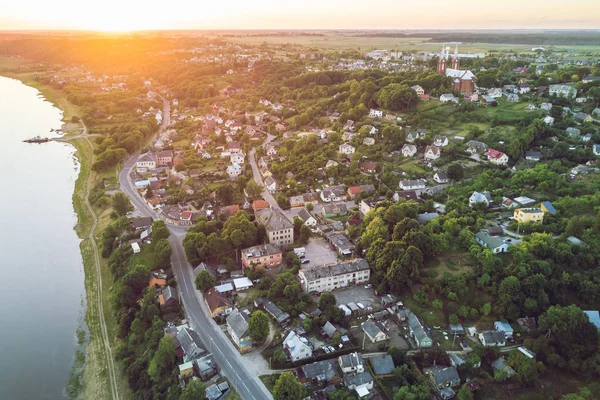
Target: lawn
[430,316]
[450,262]
[412,166]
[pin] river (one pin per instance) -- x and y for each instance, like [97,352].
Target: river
[42,296]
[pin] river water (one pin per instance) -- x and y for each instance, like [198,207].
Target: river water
[42,295]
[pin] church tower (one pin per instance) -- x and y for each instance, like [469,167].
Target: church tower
[455,60]
[441,68]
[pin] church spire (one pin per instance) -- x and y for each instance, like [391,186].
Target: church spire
[455,59]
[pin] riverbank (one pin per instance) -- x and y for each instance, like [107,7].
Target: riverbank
[91,378]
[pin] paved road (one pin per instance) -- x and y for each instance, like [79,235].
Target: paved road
[258,179]
[232,365]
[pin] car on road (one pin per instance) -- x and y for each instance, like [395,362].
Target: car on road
[368,286]
[305,261]
[326,349]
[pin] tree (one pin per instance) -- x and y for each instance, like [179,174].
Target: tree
[164,360]
[258,326]
[455,172]
[287,387]
[194,390]
[326,301]
[310,206]
[464,393]
[163,252]
[437,304]
[305,233]
[253,189]
[160,230]
[204,281]
[121,203]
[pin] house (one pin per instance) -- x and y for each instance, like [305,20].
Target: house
[333,276]
[373,331]
[425,97]
[262,256]
[234,171]
[375,113]
[168,298]
[546,106]
[349,125]
[307,218]
[505,327]
[164,158]
[489,100]
[512,97]
[322,372]
[409,195]
[340,243]
[418,332]
[270,184]
[473,146]
[418,89]
[576,242]
[333,193]
[354,191]
[562,91]
[525,215]
[369,141]
[225,289]
[440,141]
[546,206]
[334,117]
[145,162]
[206,367]
[582,117]
[141,223]
[351,363]
[186,370]
[334,210]
[501,365]
[445,98]
[523,88]
[213,392]
[259,204]
[472,97]
[242,284]
[476,198]
[383,365]
[494,230]
[432,153]
[368,167]
[409,150]
[234,147]
[441,177]
[359,381]
[413,184]
[237,158]
[190,344]
[271,149]
[495,244]
[593,317]
[282,318]
[331,163]
[415,134]
[280,230]
[442,376]
[496,157]
[217,304]
[297,347]
[228,211]
[524,201]
[136,247]
[533,155]
[346,149]
[457,329]
[329,330]
[596,149]
[492,338]
[548,120]
[495,93]
[237,327]
[590,79]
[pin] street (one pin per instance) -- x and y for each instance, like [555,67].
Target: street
[232,365]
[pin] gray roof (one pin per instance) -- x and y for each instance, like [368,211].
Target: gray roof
[213,392]
[238,322]
[416,327]
[190,343]
[442,375]
[261,250]
[274,220]
[206,364]
[273,310]
[329,329]
[141,222]
[324,271]
[477,144]
[370,328]
[335,208]
[492,337]
[456,358]
[170,293]
[351,360]
[442,175]
[533,154]
[358,379]
[320,370]
[304,215]
[341,242]
[383,365]
[501,365]
[491,242]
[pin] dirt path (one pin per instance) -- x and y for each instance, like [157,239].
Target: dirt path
[106,342]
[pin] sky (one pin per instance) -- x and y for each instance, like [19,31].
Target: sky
[123,15]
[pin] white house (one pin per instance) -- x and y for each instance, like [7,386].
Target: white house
[234,171]
[562,91]
[346,149]
[375,113]
[307,218]
[298,347]
[432,153]
[145,162]
[596,149]
[441,177]
[413,184]
[409,150]
[495,93]
[271,149]
[477,198]
[447,97]
[351,363]
[548,120]
[418,89]
[492,338]
[373,331]
[237,158]
[440,141]
[270,184]
[496,157]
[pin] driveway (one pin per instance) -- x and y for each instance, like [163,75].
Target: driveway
[357,294]
[319,253]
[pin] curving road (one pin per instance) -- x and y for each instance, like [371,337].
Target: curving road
[232,364]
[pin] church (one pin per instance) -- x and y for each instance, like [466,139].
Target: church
[463,81]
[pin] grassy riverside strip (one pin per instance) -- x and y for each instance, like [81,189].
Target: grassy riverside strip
[94,377]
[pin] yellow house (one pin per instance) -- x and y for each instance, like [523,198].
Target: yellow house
[186,369]
[524,215]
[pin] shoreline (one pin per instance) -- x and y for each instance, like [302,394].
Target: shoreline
[89,372]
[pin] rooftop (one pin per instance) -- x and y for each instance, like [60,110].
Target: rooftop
[324,271]
[383,365]
[262,250]
[274,220]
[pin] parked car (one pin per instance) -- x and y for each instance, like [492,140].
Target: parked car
[368,286]
[305,261]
